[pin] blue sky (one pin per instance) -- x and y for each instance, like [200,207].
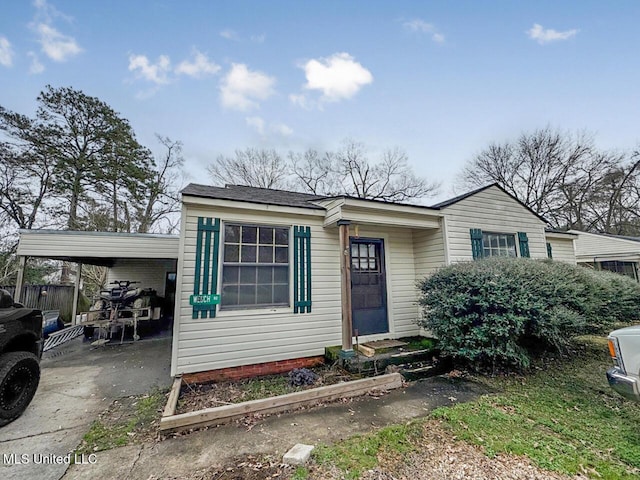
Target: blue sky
[439,79]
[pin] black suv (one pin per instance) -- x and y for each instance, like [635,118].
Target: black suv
[20,352]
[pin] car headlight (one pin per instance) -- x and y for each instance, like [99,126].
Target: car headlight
[616,356]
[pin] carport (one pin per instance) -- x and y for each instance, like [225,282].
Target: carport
[148,258]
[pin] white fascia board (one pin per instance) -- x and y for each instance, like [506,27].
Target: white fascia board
[396,216]
[188,201]
[561,236]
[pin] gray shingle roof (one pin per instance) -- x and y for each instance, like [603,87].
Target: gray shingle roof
[453,200]
[242,193]
[459,198]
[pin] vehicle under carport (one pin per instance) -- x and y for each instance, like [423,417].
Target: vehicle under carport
[149,259]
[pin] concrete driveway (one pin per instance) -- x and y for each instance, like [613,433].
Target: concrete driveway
[77,383]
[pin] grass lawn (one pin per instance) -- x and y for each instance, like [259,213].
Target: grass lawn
[563,417]
[127,420]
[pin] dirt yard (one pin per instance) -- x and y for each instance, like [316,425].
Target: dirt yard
[440,457]
[198,396]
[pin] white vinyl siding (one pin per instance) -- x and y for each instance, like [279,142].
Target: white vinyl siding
[602,247]
[491,210]
[61,244]
[245,337]
[562,250]
[428,250]
[148,273]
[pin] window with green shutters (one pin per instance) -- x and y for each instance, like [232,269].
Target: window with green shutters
[476,243]
[255,266]
[494,244]
[302,269]
[524,244]
[205,280]
[549,250]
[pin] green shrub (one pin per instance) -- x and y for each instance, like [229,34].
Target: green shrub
[495,312]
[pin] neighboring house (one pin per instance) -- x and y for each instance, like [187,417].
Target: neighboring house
[602,251]
[267,279]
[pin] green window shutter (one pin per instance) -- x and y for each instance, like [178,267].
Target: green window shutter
[205,280]
[549,250]
[301,269]
[524,244]
[476,243]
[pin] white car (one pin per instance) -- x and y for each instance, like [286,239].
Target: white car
[624,347]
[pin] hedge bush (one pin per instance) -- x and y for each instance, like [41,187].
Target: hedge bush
[495,313]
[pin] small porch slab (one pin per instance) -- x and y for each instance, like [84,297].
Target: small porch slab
[370,349]
[412,357]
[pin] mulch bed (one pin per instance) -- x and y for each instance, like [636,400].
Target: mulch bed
[198,396]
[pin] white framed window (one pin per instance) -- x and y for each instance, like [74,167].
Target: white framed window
[623,268]
[498,244]
[255,266]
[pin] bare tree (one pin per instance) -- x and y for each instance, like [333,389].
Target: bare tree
[252,167]
[162,199]
[26,179]
[350,171]
[564,178]
[94,279]
[315,172]
[532,168]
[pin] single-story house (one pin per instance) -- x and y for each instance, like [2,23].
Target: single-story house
[601,251]
[297,272]
[266,279]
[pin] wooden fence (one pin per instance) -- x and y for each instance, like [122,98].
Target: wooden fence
[47,297]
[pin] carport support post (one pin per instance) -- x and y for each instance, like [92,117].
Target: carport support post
[345,277]
[76,294]
[22,262]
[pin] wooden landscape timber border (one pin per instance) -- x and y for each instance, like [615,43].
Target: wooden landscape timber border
[172,401]
[226,413]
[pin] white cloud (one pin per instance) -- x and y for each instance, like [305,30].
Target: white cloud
[300,100]
[337,77]
[229,34]
[258,38]
[198,67]
[241,87]
[257,123]
[260,126]
[546,35]
[420,26]
[438,38]
[6,52]
[153,72]
[55,45]
[36,67]
[46,13]
[282,129]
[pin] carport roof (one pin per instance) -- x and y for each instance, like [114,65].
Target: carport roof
[96,248]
